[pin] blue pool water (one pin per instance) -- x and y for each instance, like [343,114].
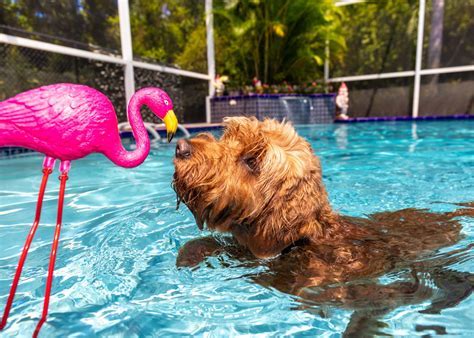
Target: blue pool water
[116,273]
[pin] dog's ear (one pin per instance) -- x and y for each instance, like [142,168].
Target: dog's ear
[287,192]
[293,197]
[251,139]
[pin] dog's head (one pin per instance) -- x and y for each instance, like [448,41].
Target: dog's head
[260,181]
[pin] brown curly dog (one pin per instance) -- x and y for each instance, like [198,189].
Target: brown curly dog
[262,183]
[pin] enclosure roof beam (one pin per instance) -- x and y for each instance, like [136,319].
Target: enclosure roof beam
[49,47]
[170,70]
[458,69]
[372,76]
[347,2]
[127,48]
[408,73]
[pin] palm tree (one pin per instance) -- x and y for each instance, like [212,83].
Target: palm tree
[436,37]
[275,40]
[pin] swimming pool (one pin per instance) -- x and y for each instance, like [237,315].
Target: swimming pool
[116,273]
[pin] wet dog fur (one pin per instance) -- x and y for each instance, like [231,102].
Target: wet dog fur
[262,183]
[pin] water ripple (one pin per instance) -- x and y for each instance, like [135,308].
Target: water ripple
[116,273]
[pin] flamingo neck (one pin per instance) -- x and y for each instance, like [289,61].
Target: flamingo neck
[130,159]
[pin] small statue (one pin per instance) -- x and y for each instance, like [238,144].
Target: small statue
[342,102]
[257,84]
[219,84]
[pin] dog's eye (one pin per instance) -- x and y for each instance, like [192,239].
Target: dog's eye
[251,163]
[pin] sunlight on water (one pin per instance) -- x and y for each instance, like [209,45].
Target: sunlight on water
[116,273]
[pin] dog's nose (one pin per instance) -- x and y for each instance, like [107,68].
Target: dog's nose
[183,149]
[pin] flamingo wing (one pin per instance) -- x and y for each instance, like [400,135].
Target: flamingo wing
[41,107]
[65,121]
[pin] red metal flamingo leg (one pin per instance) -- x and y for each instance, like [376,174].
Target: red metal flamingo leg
[64,169]
[48,166]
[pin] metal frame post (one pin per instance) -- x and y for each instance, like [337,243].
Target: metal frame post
[127,50]
[419,56]
[326,65]
[211,61]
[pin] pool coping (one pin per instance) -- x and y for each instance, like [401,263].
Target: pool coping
[407,118]
[201,127]
[9,152]
[270,96]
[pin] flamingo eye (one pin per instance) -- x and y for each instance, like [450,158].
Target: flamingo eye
[166,102]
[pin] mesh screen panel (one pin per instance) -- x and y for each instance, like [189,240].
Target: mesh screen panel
[25,68]
[380,37]
[188,94]
[172,33]
[299,109]
[447,94]
[387,97]
[449,32]
[86,24]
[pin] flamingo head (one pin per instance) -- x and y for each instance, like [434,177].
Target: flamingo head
[161,105]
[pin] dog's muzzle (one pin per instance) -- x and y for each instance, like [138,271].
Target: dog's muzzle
[183,149]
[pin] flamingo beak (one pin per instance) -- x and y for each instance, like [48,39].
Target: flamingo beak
[171,123]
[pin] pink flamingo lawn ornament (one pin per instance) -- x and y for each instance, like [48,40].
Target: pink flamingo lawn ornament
[67,122]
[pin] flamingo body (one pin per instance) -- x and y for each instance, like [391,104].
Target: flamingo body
[70,121]
[67,122]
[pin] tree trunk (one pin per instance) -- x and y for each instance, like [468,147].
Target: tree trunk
[388,48]
[267,45]
[436,37]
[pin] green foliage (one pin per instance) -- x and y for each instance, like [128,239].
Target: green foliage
[274,40]
[170,32]
[72,23]
[85,24]
[458,30]
[381,37]
[194,55]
